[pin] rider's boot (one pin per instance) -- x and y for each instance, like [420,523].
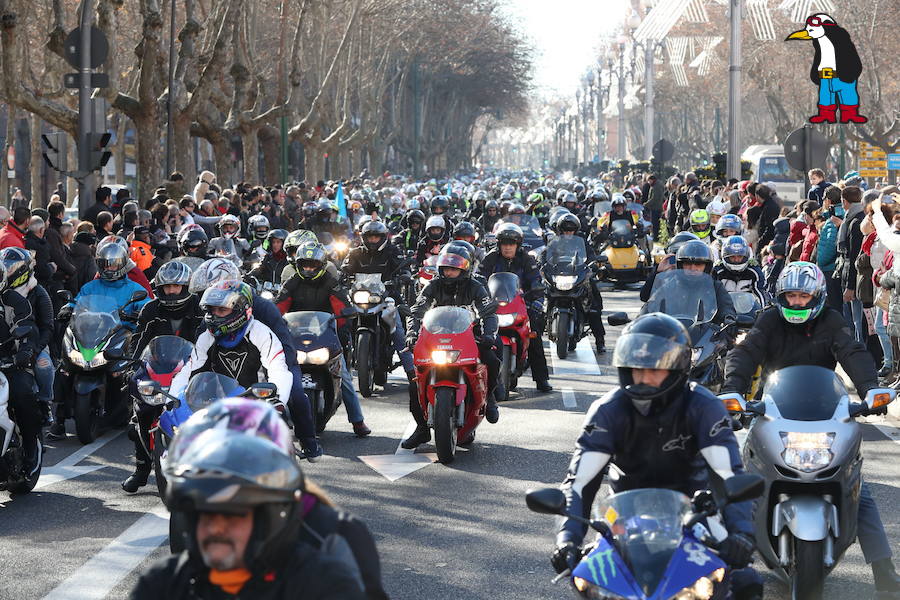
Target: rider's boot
[143,464]
[33,454]
[491,411]
[312,449]
[422,434]
[887,582]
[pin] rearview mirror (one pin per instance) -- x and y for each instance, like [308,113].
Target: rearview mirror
[64,295]
[149,388]
[618,318]
[547,501]
[113,353]
[743,487]
[745,321]
[138,296]
[603,258]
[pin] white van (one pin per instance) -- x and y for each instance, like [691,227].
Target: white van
[768,165]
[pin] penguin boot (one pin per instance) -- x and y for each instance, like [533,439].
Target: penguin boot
[827,114]
[849,114]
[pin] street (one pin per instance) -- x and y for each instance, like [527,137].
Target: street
[458,531]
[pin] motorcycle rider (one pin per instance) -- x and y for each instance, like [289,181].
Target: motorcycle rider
[568,224]
[510,257]
[738,270]
[657,430]
[174,311]
[229,243]
[490,217]
[313,287]
[408,239]
[695,258]
[275,259]
[193,242]
[465,232]
[241,496]
[454,286]
[618,212]
[699,223]
[258,227]
[801,330]
[436,235]
[727,226]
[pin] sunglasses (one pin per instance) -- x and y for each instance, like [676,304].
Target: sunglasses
[818,22]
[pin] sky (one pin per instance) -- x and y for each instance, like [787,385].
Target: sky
[565,33]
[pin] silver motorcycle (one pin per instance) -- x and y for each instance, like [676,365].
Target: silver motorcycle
[804,441]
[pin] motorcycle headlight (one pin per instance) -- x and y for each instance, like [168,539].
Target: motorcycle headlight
[695,354]
[423,281]
[590,590]
[340,247]
[314,357]
[564,282]
[444,357]
[807,452]
[268,295]
[703,588]
[507,320]
[361,297]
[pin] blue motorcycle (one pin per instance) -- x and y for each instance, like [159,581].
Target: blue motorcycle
[652,544]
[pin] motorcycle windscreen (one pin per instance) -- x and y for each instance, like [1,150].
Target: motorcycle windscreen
[637,208]
[805,392]
[646,527]
[689,297]
[620,234]
[447,320]
[532,231]
[568,250]
[205,388]
[601,208]
[308,322]
[371,282]
[504,287]
[166,353]
[745,303]
[95,316]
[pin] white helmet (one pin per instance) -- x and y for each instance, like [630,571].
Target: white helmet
[233,221]
[212,272]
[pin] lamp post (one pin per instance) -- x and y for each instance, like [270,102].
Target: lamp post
[734,91]
[576,117]
[620,150]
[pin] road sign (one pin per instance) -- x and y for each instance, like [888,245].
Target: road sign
[11,158]
[873,172]
[73,80]
[873,163]
[805,148]
[893,161]
[663,150]
[99,48]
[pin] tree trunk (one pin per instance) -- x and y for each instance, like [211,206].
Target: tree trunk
[149,155]
[9,140]
[39,196]
[119,148]
[376,157]
[313,164]
[183,148]
[250,143]
[223,166]
[270,142]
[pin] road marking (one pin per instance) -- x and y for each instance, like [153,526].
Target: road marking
[66,469]
[889,431]
[402,462]
[584,361]
[569,398]
[102,572]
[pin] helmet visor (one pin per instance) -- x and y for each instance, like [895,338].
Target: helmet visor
[453,260]
[647,351]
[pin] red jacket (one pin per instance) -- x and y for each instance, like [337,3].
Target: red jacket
[799,228]
[12,237]
[810,241]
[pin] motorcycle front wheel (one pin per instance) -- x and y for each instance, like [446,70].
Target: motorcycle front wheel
[562,335]
[445,424]
[808,570]
[87,418]
[158,449]
[27,484]
[506,368]
[365,366]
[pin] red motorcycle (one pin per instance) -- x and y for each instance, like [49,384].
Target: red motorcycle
[515,330]
[453,383]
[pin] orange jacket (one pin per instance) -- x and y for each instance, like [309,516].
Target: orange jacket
[141,254]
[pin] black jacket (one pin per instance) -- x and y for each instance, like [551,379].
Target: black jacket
[58,253]
[774,344]
[270,268]
[41,249]
[408,239]
[387,261]
[17,312]
[44,315]
[85,266]
[768,214]
[461,292]
[522,264]
[305,575]
[95,209]
[848,251]
[157,320]
[298,293]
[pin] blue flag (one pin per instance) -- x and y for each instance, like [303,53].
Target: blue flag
[341,201]
[449,188]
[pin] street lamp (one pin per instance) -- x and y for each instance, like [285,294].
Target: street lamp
[576,116]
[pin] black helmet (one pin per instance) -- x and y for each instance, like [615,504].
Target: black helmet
[464,231]
[235,295]
[415,216]
[439,205]
[310,260]
[277,234]
[172,273]
[192,241]
[679,240]
[323,208]
[696,252]
[491,204]
[510,233]
[228,471]
[374,235]
[19,266]
[652,341]
[457,256]
[568,222]
[112,262]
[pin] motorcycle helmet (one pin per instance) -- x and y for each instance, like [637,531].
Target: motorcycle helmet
[491,205]
[439,205]
[700,223]
[112,262]
[456,256]
[415,216]
[732,222]
[232,471]
[619,200]
[652,341]
[113,239]
[628,195]
[570,201]
[597,195]
[308,210]
[678,240]
[172,273]
[695,252]
[323,209]
[374,236]
[311,259]
[535,198]
[19,266]
[295,239]
[413,204]
[211,272]
[229,226]
[192,240]
[480,198]
[560,194]
[259,226]
[568,222]
[464,231]
[510,233]
[228,328]
[805,277]
[276,234]
[736,253]
[435,227]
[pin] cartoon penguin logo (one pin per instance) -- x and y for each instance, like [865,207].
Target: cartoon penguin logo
[835,69]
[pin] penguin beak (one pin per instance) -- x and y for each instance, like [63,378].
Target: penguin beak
[799,35]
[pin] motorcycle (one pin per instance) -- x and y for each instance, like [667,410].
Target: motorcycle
[515,330]
[375,322]
[805,443]
[567,277]
[533,233]
[93,362]
[621,261]
[652,542]
[427,272]
[452,383]
[161,361]
[319,355]
[12,453]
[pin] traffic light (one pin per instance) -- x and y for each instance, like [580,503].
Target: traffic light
[97,143]
[720,159]
[54,149]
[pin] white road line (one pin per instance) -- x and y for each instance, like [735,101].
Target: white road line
[409,431]
[67,469]
[102,572]
[569,398]
[890,432]
[580,362]
[85,451]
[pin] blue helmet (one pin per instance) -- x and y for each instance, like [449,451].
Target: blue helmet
[732,222]
[804,277]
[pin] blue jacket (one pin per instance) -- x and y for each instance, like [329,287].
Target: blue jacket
[826,251]
[117,292]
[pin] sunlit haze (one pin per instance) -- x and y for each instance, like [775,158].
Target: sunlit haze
[565,34]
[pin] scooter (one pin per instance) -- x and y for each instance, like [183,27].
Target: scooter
[652,542]
[319,355]
[567,277]
[12,454]
[452,382]
[92,362]
[621,261]
[805,443]
[515,330]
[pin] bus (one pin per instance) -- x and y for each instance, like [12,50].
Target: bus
[768,165]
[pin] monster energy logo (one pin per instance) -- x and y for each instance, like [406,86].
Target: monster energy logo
[600,561]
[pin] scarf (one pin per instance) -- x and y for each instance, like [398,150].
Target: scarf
[230,581]
[843,231]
